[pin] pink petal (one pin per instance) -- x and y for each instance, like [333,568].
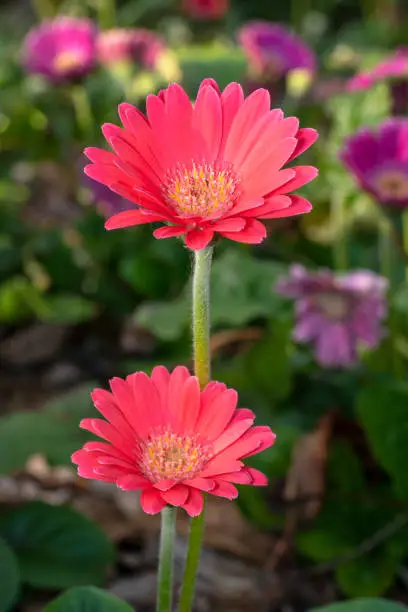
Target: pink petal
[225,489]
[234,431]
[132,482]
[255,105]
[169,232]
[204,484]
[299,206]
[151,501]
[212,422]
[259,172]
[195,503]
[129,218]
[241,477]
[198,239]
[232,99]
[100,156]
[254,233]
[304,174]
[305,138]
[176,496]
[252,442]
[189,404]
[234,224]
[208,119]
[258,478]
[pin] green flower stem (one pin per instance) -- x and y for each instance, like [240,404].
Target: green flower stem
[202,369]
[82,109]
[166,560]
[337,218]
[44,9]
[385,248]
[405,240]
[201,315]
[106,14]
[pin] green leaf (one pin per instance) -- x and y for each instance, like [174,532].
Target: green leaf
[19,299]
[363,605]
[87,599]
[56,546]
[368,576]
[241,290]
[382,409]
[53,431]
[67,308]
[10,577]
[222,63]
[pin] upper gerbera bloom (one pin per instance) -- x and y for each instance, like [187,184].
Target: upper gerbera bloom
[378,157]
[336,313]
[62,49]
[212,167]
[136,45]
[170,440]
[206,9]
[273,51]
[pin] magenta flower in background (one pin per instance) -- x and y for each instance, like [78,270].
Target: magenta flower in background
[336,313]
[378,158]
[273,51]
[62,49]
[393,70]
[136,45]
[205,9]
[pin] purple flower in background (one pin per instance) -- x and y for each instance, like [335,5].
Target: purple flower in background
[378,158]
[336,313]
[107,202]
[273,51]
[393,70]
[62,49]
[136,45]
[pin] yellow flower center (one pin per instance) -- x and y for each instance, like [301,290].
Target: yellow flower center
[201,190]
[66,61]
[334,306]
[169,456]
[392,185]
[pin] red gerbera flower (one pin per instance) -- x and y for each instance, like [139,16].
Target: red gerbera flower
[212,167]
[167,438]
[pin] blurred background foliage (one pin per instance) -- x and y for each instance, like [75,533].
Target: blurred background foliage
[78,305]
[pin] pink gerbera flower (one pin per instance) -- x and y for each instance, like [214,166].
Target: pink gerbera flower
[170,440]
[206,9]
[212,167]
[136,45]
[61,49]
[394,71]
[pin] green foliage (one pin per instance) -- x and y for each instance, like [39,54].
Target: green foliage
[363,605]
[242,291]
[10,577]
[52,431]
[382,409]
[87,599]
[56,546]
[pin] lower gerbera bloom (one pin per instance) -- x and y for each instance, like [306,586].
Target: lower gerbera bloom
[393,70]
[273,51]
[131,45]
[212,167]
[378,158]
[62,49]
[172,441]
[336,313]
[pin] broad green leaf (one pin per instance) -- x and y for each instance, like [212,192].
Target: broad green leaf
[67,308]
[52,431]
[9,577]
[363,605]
[383,411]
[87,599]
[56,546]
[369,575]
[241,291]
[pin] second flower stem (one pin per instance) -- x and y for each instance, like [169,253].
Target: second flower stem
[166,556]
[202,369]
